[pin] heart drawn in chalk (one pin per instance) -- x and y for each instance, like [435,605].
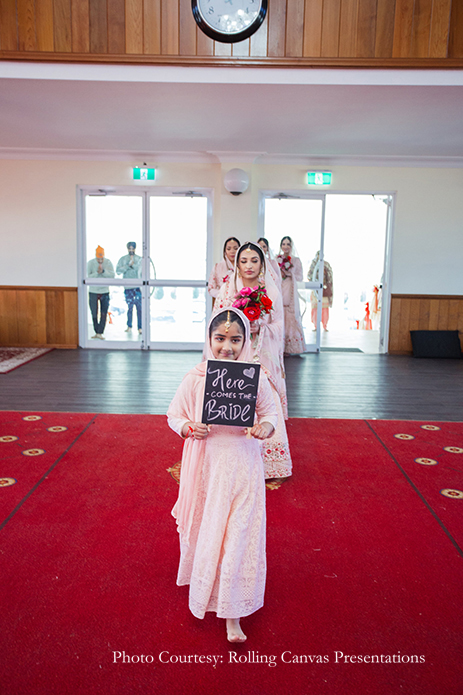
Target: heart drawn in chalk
[249,372]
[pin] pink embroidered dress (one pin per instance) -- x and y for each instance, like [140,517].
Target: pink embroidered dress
[267,347]
[294,333]
[220,272]
[220,510]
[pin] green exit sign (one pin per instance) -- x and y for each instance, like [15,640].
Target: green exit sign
[319,178]
[143,174]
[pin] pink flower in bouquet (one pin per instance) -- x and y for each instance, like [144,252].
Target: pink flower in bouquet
[246,291]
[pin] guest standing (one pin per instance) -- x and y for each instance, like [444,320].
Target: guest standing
[129,266]
[270,261]
[291,273]
[223,269]
[327,300]
[98,296]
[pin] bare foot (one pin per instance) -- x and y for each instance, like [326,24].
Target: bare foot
[234,631]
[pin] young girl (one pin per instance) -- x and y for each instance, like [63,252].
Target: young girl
[220,509]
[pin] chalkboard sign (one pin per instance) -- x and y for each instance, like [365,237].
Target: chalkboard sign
[230,393]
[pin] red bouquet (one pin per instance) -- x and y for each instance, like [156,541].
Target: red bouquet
[285,263]
[253,302]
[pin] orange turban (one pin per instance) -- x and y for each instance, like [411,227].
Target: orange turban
[99,253]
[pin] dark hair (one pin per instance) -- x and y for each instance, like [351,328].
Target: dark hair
[262,238]
[230,238]
[223,317]
[288,238]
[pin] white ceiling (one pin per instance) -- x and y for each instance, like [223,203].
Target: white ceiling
[192,110]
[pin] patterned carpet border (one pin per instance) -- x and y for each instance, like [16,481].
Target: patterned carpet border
[14,357]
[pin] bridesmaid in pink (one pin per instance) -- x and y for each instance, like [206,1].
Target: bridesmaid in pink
[220,509]
[267,343]
[291,274]
[223,269]
[270,261]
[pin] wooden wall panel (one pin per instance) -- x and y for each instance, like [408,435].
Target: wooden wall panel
[456,30]
[421,28]
[403,25]
[134,26]
[169,27]
[241,49]
[62,34]
[98,26]
[425,313]
[366,32]
[259,40]
[277,28]
[116,26]
[152,27]
[8,26]
[80,12]
[26,25]
[296,33]
[313,18]
[204,45]
[385,17]
[38,316]
[348,28]
[440,27]
[294,28]
[187,29]
[330,28]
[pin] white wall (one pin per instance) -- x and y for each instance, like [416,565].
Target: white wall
[38,215]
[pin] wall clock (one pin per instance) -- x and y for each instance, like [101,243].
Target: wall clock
[229,21]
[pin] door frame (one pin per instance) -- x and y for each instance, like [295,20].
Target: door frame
[316,287]
[387,265]
[145,193]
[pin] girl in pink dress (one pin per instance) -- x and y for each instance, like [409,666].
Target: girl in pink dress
[291,274]
[223,269]
[220,509]
[267,344]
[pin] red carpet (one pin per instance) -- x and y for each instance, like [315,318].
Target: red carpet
[363,559]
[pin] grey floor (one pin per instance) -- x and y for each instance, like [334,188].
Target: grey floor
[324,385]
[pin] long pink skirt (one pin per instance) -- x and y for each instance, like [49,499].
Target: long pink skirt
[225,563]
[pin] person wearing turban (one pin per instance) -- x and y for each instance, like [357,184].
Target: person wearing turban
[98,295]
[129,266]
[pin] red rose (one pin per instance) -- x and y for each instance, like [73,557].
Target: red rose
[266,301]
[252,312]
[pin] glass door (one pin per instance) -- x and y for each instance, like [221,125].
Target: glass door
[302,217]
[112,297]
[179,234]
[143,268]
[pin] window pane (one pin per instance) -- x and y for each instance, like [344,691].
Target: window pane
[178,238]
[111,222]
[178,314]
[107,313]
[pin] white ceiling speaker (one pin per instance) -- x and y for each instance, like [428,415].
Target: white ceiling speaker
[236,181]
